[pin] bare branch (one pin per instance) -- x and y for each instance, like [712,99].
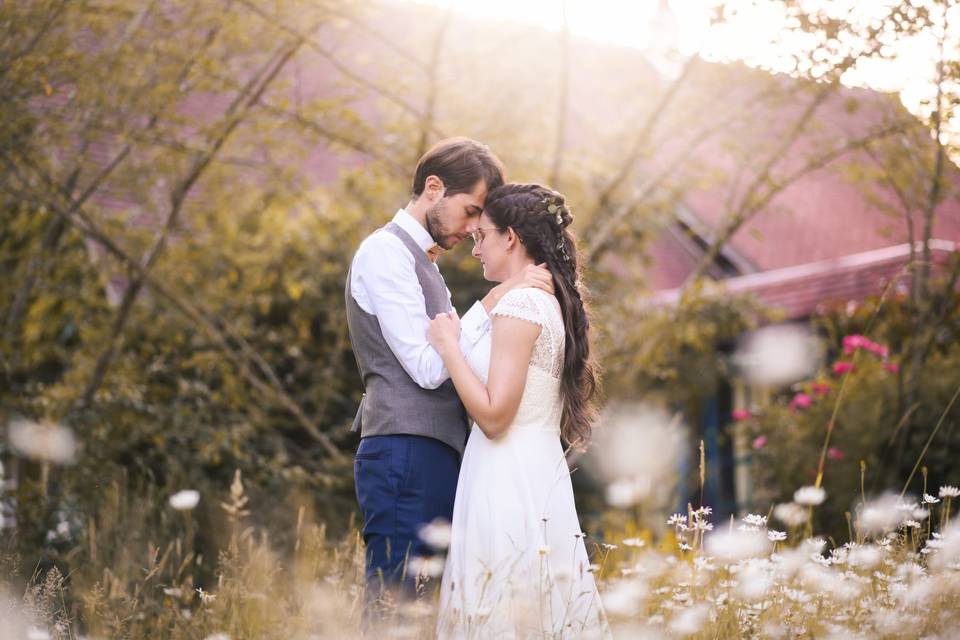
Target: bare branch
[79,219]
[35,40]
[642,138]
[235,114]
[384,39]
[433,84]
[755,203]
[364,82]
[602,237]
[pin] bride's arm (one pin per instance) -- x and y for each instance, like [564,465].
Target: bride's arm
[495,404]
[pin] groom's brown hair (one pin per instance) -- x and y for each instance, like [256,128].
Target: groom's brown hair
[460,163]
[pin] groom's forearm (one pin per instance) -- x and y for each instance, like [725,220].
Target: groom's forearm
[473,393]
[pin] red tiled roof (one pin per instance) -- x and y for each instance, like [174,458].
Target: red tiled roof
[798,290]
[822,215]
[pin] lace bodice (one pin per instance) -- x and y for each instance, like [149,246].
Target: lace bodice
[540,405]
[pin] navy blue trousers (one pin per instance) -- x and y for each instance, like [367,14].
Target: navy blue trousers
[403,482]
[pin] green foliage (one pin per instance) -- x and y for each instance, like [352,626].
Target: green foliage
[675,351]
[873,424]
[130,143]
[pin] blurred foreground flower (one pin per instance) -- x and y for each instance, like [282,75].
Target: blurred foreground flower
[636,454]
[431,566]
[736,545]
[810,496]
[882,514]
[49,442]
[946,549]
[790,514]
[184,500]
[689,620]
[778,355]
[436,533]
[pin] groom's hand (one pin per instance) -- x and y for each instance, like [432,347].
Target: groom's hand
[443,333]
[536,276]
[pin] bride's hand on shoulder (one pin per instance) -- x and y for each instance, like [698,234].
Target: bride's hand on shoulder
[536,276]
[443,333]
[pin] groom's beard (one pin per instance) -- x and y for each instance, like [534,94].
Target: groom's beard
[437,231]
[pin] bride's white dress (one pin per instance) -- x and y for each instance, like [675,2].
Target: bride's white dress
[517,565]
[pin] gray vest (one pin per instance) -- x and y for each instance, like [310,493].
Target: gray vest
[393,403]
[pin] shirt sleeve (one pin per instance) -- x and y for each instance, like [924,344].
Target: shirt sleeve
[384,278]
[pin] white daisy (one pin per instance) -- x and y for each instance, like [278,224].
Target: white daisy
[755,520]
[949,491]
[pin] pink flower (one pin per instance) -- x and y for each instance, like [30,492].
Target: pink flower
[842,367]
[853,342]
[820,388]
[834,454]
[759,442]
[892,367]
[741,414]
[881,350]
[801,401]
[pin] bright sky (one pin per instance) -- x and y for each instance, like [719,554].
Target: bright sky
[752,35]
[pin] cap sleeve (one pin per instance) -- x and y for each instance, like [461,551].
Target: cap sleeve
[519,303]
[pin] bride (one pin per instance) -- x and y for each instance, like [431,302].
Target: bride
[517,564]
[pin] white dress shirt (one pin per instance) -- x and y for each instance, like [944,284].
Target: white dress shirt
[383,283]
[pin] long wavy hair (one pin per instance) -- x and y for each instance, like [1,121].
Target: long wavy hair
[540,217]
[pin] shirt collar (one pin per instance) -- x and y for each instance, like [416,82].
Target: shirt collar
[416,231]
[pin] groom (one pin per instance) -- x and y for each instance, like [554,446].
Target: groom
[412,424]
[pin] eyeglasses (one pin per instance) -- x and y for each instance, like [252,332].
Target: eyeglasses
[480,234]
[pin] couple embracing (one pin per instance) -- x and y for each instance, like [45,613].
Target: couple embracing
[464,419]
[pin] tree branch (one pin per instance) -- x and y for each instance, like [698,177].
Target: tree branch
[755,203]
[79,219]
[427,122]
[366,83]
[640,142]
[234,115]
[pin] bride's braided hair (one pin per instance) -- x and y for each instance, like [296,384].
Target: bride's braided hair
[540,217]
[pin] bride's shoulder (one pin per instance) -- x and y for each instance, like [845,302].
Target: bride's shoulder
[528,303]
[529,295]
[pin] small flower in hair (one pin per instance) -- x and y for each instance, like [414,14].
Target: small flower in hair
[562,248]
[554,207]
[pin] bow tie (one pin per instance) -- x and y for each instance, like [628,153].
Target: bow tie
[434,252]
